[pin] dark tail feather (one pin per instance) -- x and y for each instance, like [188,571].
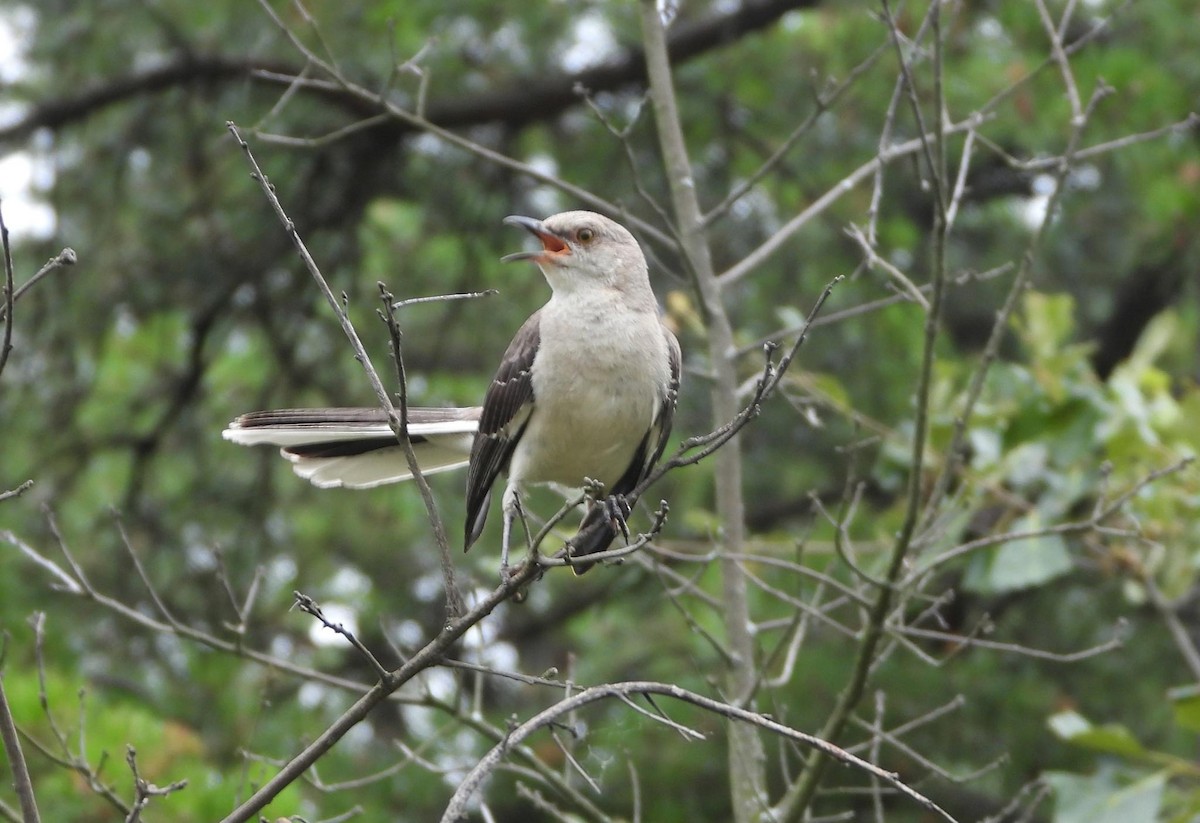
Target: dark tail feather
[595,534]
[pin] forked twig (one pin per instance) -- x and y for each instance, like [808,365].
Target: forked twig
[456,809]
[399,426]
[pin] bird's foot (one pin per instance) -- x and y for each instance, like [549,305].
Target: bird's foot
[506,576]
[617,508]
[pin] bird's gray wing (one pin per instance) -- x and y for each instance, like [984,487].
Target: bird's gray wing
[655,441]
[506,409]
[660,431]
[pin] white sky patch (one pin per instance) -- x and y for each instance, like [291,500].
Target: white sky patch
[409,633]
[310,695]
[348,582]
[281,571]
[428,587]
[1032,210]
[335,613]
[594,42]
[14,32]
[24,214]
[545,199]
[1087,177]
[20,173]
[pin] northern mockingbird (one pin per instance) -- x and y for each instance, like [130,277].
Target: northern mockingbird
[585,392]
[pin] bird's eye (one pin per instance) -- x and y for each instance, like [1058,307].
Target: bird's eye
[586,235]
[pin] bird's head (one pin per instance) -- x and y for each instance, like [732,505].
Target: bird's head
[581,248]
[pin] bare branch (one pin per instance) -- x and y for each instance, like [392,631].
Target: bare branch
[1023,275]
[874,261]
[77,585]
[65,580]
[16,760]
[1114,642]
[396,420]
[309,606]
[796,800]
[431,654]
[145,790]
[8,295]
[823,103]
[457,807]
[17,492]
[65,757]
[1097,519]
[64,258]
[454,599]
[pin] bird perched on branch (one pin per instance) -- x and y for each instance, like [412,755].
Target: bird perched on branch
[584,394]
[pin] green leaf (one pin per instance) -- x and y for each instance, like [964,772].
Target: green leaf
[1019,564]
[1046,322]
[1068,724]
[1102,798]
[1186,703]
[1111,738]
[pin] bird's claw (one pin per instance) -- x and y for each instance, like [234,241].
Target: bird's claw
[507,573]
[618,510]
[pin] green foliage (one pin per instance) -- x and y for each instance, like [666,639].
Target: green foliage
[189,307]
[98,725]
[1045,429]
[1128,782]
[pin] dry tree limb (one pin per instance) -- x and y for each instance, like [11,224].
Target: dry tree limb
[397,420]
[456,809]
[16,761]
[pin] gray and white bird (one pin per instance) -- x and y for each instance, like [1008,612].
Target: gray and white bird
[586,391]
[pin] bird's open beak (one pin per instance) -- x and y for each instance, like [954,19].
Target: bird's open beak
[552,244]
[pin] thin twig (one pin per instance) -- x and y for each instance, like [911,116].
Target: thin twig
[441,298]
[1114,642]
[1187,124]
[822,104]
[907,287]
[81,587]
[76,762]
[1017,288]
[429,655]
[67,582]
[756,258]
[869,307]
[16,760]
[960,183]
[310,607]
[622,136]
[417,121]
[9,295]
[141,571]
[454,599]
[398,425]
[17,492]
[1180,634]
[457,807]
[144,790]
[66,257]
[798,797]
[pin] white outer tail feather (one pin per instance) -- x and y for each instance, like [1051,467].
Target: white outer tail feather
[441,446]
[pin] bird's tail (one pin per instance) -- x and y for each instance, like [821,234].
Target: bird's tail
[355,447]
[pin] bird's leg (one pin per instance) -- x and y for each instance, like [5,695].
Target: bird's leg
[512,510]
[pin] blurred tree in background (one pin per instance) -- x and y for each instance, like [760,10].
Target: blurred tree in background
[968,556]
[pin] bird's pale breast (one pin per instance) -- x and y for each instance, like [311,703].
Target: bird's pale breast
[593,402]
